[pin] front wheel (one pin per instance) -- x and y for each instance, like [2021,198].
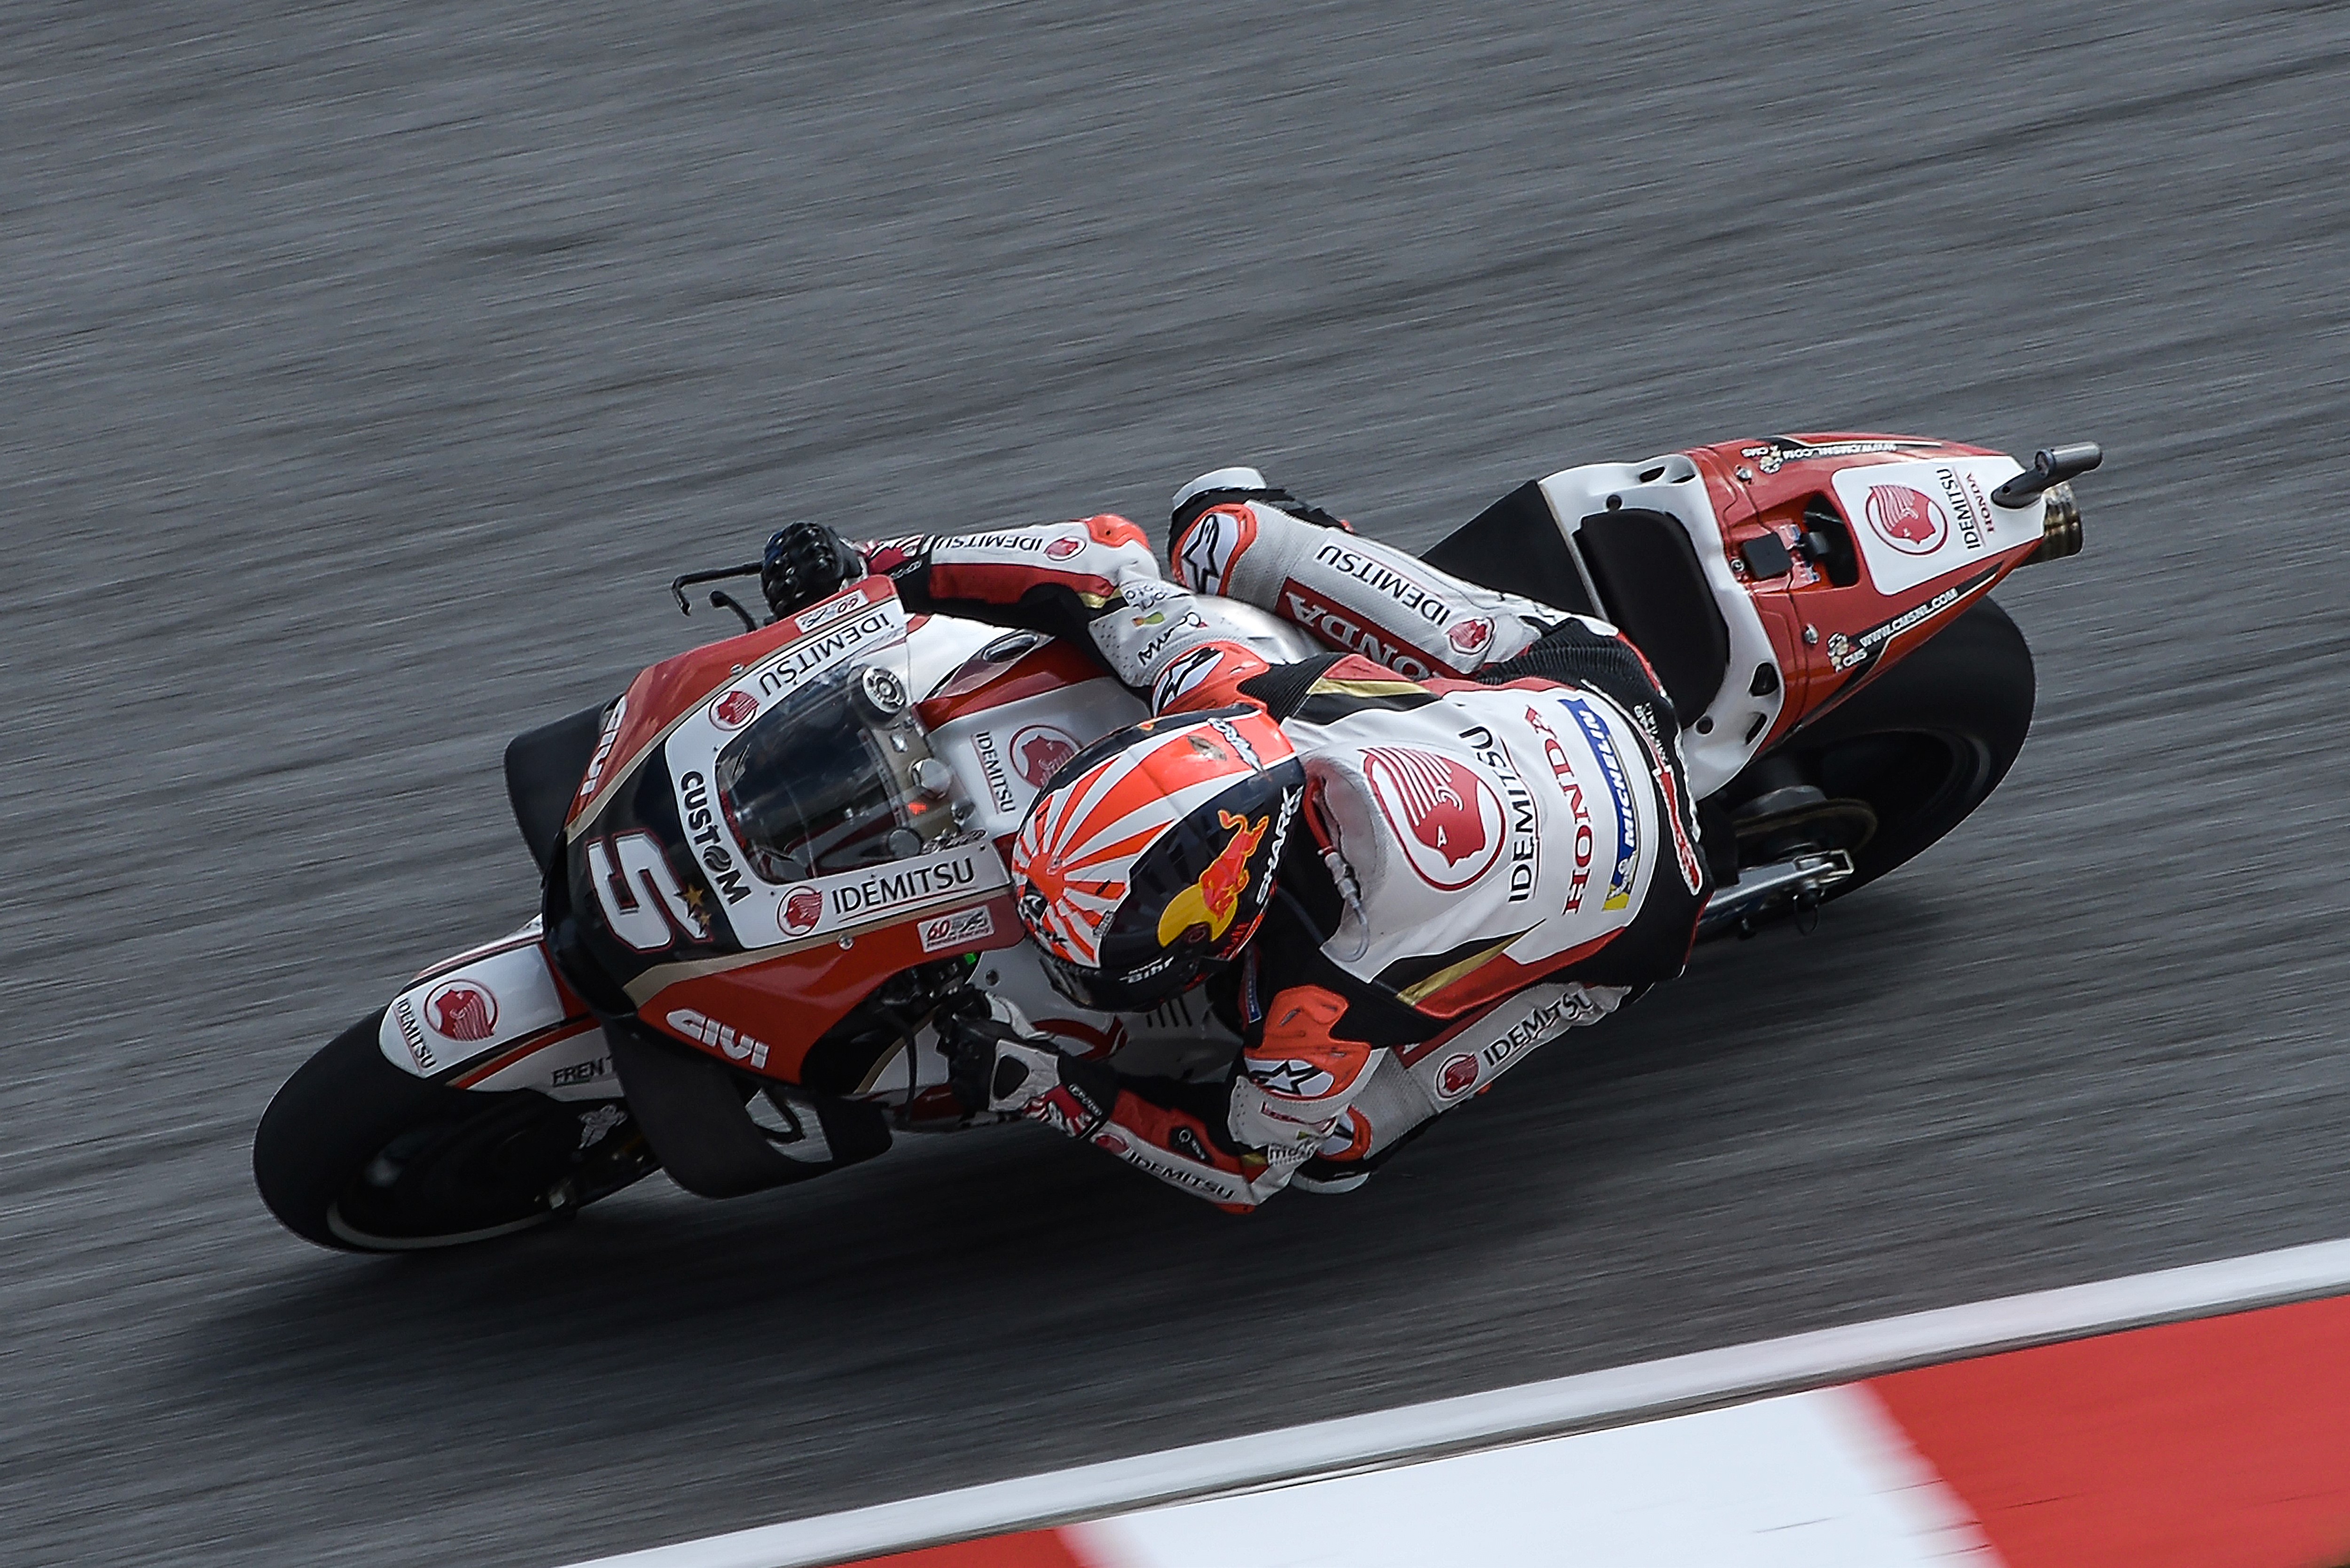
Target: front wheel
[357,1154]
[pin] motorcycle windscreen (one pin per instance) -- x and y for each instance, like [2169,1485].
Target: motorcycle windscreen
[823,783]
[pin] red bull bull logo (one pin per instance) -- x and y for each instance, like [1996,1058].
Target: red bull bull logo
[1215,898]
[1911,521]
[1447,815]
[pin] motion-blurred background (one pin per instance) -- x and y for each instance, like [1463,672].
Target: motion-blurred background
[365,368]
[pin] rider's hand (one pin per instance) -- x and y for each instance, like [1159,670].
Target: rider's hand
[995,1064]
[806,562]
[984,1039]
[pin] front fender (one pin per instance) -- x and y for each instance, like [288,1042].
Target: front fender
[500,1017]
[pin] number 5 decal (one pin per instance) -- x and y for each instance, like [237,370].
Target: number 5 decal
[643,904]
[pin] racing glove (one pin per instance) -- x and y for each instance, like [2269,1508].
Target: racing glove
[995,1064]
[806,562]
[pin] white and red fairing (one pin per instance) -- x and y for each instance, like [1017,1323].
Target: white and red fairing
[1930,542]
[1003,710]
[500,1017]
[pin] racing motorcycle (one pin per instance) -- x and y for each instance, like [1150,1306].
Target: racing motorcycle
[774,867]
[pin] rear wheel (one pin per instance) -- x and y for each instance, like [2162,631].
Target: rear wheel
[1904,760]
[357,1154]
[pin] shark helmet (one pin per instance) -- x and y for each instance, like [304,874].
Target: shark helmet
[1150,854]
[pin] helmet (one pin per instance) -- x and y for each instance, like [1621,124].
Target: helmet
[1150,854]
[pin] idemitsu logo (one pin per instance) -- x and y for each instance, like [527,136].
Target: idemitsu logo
[1038,753]
[802,907]
[1471,636]
[734,710]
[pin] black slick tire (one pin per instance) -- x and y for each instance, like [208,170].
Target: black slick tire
[1926,741]
[357,1155]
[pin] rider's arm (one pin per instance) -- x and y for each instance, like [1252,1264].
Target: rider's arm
[1358,594]
[1094,582]
[1235,1145]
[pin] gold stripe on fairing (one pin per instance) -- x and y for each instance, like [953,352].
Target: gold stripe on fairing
[888,1060]
[1326,687]
[1419,989]
[653,981]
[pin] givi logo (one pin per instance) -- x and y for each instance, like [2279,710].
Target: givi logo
[1447,817]
[1911,521]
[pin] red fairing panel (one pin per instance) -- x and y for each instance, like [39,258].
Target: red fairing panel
[1920,541]
[764,1016]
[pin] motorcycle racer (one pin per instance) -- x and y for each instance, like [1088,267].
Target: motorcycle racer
[1399,867]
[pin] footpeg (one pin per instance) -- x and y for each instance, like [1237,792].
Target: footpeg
[1789,887]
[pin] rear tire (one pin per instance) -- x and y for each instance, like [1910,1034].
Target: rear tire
[358,1155]
[1927,741]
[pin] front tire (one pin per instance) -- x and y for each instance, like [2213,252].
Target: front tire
[357,1155]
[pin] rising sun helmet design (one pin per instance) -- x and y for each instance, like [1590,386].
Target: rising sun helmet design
[1150,854]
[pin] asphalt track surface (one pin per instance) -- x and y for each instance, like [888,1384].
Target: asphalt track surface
[367,369]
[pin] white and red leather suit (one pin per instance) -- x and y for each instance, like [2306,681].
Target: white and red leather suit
[1499,845]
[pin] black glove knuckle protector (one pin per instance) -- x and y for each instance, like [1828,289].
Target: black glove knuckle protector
[804,562]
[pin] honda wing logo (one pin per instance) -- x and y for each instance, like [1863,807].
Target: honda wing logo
[1911,521]
[1448,818]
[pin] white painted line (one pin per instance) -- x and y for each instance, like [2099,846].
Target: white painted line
[1818,1479]
[1581,1403]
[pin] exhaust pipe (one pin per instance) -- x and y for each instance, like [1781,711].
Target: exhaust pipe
[2060,527]
[2045,480]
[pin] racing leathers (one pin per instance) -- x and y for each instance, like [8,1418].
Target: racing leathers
[1497,844]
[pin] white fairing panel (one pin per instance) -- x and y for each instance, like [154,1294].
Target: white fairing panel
[1003,755]
[460,1014]
[940,645]
[1915,521]
[571,1062]
[1715,753]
